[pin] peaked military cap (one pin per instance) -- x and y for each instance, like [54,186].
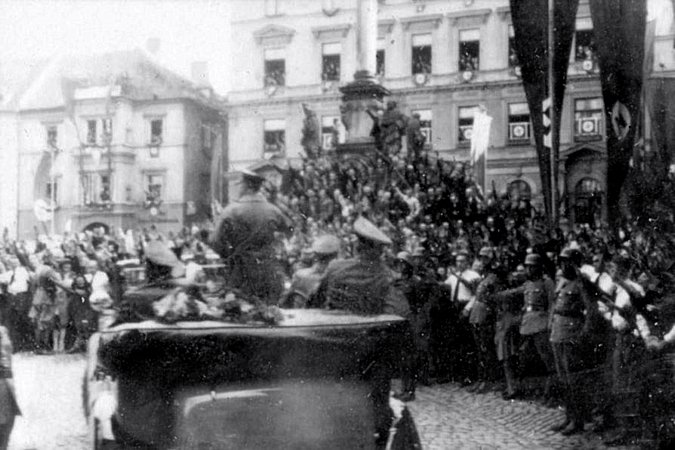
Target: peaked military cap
[251,175]
[367,230]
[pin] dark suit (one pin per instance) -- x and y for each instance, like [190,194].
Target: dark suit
[244,238]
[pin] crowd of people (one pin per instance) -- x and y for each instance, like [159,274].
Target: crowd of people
[494,297]
[490,286]
[57,290]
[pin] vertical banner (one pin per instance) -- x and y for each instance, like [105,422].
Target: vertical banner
[619,27]
[480,141]
[530,26]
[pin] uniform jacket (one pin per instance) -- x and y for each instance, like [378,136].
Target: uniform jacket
[360,286]
[483,307]
[571,318]
[538,297]
[245,238]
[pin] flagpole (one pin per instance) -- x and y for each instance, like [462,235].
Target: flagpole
[553,116]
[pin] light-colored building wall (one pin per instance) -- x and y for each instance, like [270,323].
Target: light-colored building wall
[301,27]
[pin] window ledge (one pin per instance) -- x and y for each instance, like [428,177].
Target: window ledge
[420,23]
[596,137]
[475,17]
[518,142]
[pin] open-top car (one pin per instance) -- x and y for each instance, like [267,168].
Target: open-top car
[315,379]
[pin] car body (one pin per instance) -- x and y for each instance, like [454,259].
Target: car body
[306,383]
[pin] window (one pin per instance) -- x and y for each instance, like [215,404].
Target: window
[52,136]
[99,135]
[107,130]
[91,131]
[425,124]
[379,63]
[466,124]
[587,118]
[584,45]
[274,137]
[513,56]
[330,61]
[154,188]
[329,138]
[96,189]
[421,53]
[275,67]
[207,138]
[469,50]
[379,58]
[519,122]
[156,129]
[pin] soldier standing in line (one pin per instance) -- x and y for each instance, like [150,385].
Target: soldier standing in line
[570,322]
[245,236]
[539,294]
[482,319]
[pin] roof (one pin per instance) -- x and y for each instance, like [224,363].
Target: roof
[130,74]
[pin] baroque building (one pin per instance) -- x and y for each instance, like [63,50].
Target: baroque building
[440,59]
[112,140]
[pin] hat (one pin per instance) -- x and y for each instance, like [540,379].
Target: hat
[404,256]
[251,175]
[326,245]
[366,230]
[533,260]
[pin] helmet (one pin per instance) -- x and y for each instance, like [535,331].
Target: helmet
[533,260]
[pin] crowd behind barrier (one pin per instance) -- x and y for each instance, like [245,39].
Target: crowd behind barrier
[56,290]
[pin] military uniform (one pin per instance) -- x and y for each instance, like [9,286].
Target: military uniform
[363,285]
[569,328]
[245,238]
[482,320]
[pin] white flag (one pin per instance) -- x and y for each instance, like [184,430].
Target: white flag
[480,135]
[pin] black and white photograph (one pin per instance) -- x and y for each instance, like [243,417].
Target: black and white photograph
[337,224]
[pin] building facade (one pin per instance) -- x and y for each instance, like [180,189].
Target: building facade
[112,140]
[441,59]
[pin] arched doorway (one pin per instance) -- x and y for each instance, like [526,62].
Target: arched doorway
[584,188]
[588,200]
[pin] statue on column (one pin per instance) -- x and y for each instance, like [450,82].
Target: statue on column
[392,128]
[311,133]
[416,138]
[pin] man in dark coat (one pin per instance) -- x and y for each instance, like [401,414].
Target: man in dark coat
[364,285]
[245,238]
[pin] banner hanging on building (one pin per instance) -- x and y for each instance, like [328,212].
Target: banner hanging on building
[530,26]
[619,28]
[480,141]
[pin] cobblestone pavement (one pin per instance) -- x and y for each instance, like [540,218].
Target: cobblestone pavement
[447,416]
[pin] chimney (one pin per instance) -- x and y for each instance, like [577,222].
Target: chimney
[152,45]
[200,73]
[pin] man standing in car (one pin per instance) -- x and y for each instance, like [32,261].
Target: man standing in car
[245,238]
